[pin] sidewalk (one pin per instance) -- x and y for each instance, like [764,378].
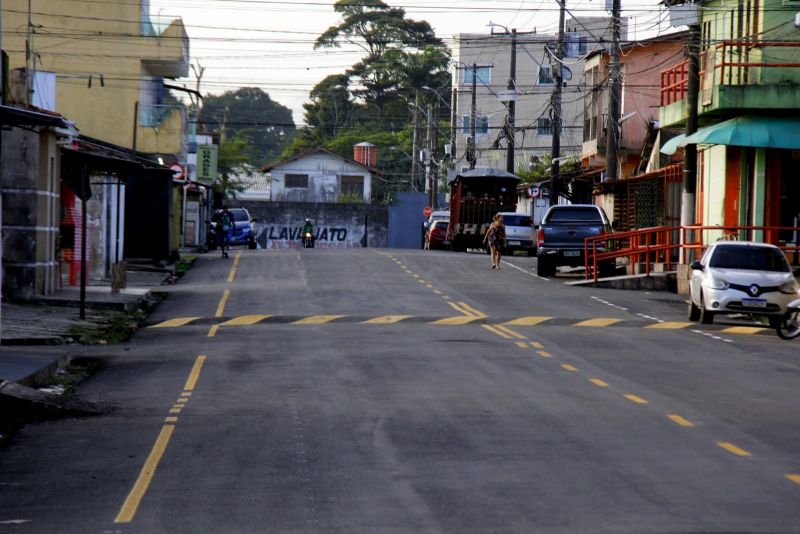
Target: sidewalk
[35,337]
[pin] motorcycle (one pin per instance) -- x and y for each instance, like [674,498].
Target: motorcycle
[789,325]
[308,240]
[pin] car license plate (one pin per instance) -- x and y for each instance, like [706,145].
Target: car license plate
[510,242]
[755,303]
[572,253]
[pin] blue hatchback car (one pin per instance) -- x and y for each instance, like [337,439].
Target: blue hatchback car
[244,232]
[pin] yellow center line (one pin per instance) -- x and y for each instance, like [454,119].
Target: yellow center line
[387,319]
[472,311]
[599,321]
[437,291]
[179,321]
[637,400]
[680,420]
[459,309]
[194,374]
[454,321]
[544,354]
[527,321]
[794,478]
[232,274]
[495,331]
[509,331]
[213,330]
[536,345]
[246,320]
[222,301]
[131,504]
[175,410]
[730,447]
[569,367]
[171,419]
[522,344]
[598,382]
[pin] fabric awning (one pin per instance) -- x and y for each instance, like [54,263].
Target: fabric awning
[754,131]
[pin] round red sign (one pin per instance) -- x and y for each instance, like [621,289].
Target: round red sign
[426,211]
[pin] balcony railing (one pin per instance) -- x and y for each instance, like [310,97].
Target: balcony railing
[734,63]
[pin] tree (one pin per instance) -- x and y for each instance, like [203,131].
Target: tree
[233,160]
[250,110]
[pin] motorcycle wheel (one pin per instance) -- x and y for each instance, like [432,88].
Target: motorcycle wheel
[789,326]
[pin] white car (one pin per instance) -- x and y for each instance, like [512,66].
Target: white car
[741,277]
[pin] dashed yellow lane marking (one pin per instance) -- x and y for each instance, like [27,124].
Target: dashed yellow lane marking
[600,321]
[437,291]
[636,399]
[179,321]
[742,330]
[455,321]
[213,330]
[509,331]
[429,286]
[416,276]
[175,410]
[318,319]
[495,331]
[569,367]
[194,374]
[171,419]
[421,281]
[182,400]
[527,321]
[387,319]
[669,325]
[536,345]
[522,344]
[680,420]
[246,320]
[222,301]
[544,354]
[733,449]
[598,382]
[794,478]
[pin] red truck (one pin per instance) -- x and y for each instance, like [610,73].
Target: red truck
[476,196]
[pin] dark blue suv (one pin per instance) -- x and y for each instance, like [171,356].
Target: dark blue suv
[244,231]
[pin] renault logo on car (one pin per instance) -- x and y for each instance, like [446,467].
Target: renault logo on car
[753,290]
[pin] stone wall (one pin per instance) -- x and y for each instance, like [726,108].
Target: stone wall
[337,225]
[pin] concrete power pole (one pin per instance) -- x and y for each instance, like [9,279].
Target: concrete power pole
[690,151]
[428,155]
[556,121]
[415,142]
[511,130]
[614,98]
[473,116]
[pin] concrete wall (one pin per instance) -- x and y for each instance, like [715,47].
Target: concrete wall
[337,225]
[324,173]
[30,188]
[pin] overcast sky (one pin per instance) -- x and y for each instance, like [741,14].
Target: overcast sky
[269,44]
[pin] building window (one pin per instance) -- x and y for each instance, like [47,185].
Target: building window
[353,185]
[576,46]
[484,75]
[544,126]
[481,125]
[298,181]
[545,75]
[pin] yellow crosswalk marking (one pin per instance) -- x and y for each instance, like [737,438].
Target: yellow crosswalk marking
[245,320]
[387,319]
[669,325]
[318,319]
[180,321]
[599,321]
[527,321]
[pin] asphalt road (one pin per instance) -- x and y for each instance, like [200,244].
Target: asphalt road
[412,391]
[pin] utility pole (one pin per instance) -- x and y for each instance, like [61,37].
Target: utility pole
[428,154]
[556,120]
[415,142]
[453,123]
[690,151]
[28,58]
[473,116]
[511,130]
[614,97]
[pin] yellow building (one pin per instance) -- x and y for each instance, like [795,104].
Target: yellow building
[109,61]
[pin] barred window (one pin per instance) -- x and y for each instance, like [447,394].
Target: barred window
[299,181]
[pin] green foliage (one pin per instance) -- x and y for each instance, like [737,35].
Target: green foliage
[233,159]
[350,198]
[539,168]
[268,125]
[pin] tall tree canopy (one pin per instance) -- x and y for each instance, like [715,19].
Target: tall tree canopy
[251,112]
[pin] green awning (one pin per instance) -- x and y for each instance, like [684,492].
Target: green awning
[755,131]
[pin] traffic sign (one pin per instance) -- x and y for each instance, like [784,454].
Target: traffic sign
[534,191]
[178,172]
[426,211]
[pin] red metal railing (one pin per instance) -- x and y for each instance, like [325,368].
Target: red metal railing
[674,80]
[666,244]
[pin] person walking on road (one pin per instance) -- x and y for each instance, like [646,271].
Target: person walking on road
[224,230]
[496,239]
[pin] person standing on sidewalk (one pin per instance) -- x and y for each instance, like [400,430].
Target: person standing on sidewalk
[224,230]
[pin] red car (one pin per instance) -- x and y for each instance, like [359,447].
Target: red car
[436,236]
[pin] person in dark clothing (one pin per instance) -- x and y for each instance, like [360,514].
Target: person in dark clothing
[224,230]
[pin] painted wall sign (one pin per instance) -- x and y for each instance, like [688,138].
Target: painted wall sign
[277,236]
